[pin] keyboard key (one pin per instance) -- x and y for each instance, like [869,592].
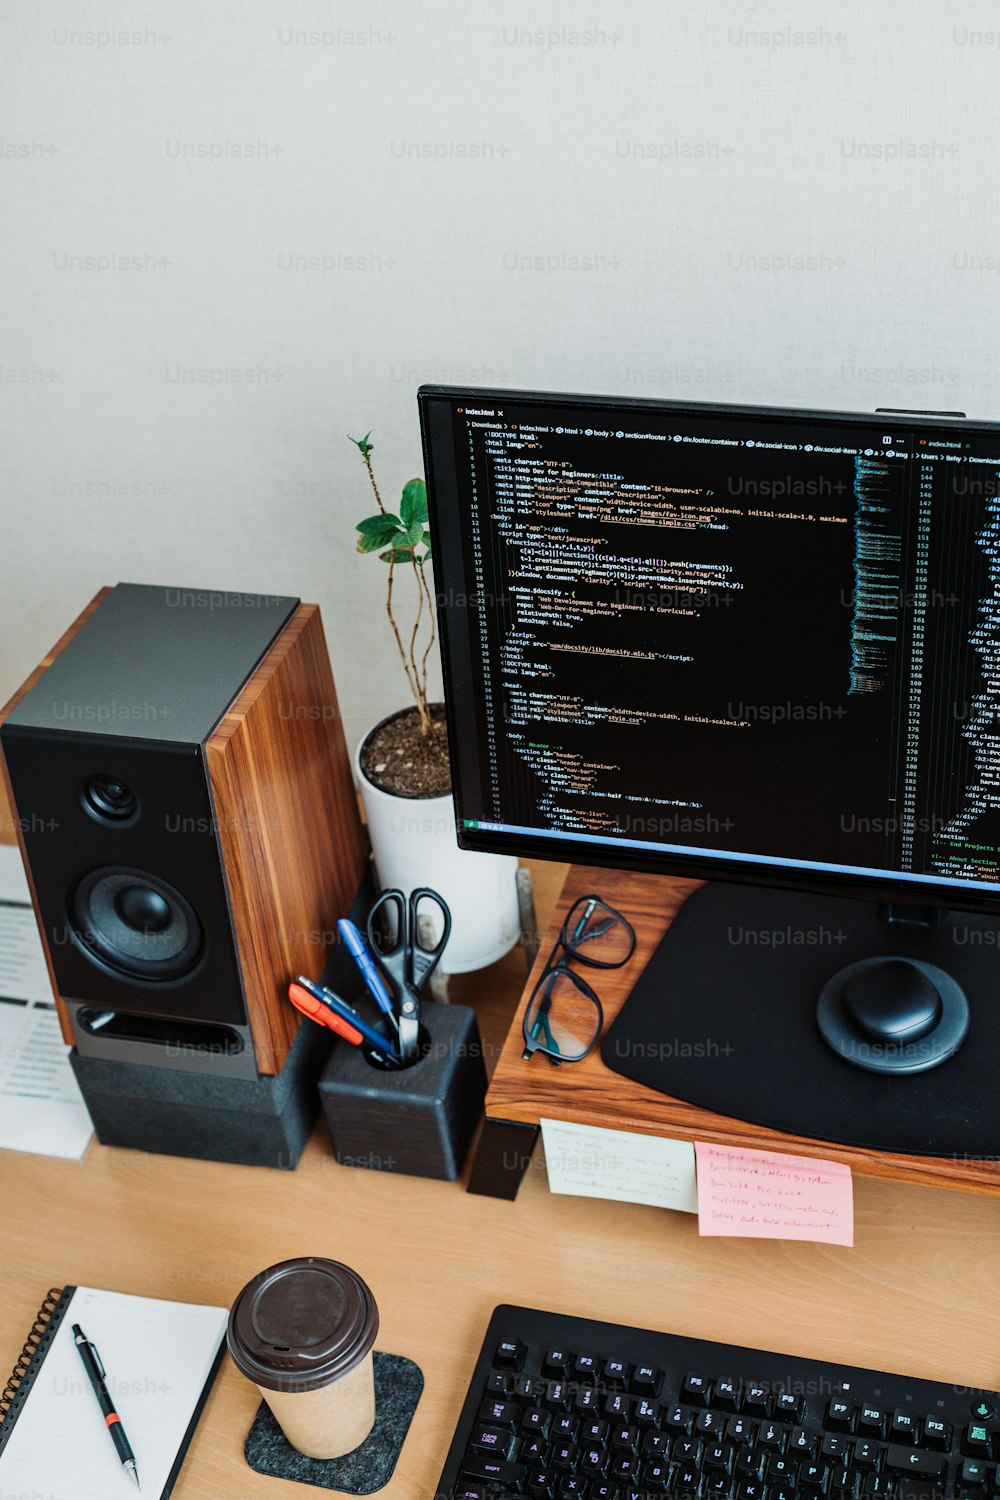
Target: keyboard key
[872,1420]
[720,1456]
[470,1491]
[491,1469]
[801,1442]
[541,1484]
[842,1483]
[696,1390]
[914,1461]
[566,1425]
[617,1371]
[491,1440]
[563,1456]
[684,1480]
[556,1363]
[771,1436]
[728,1395]
[593,1459]
[525,1387]
[533,1450]
[815,1477]
[644,1412]
[586,1367]
[835,1447]
[974,1474]
[710,1426]
[624,1439]
[715,1485]
[647,1380]
[654,1476]
[749,1463]
[937,1433]
[604,1491]
[976,1440]
[788,1407]
[904,1427]
[780,1470]
[740,1430]
[756,1399]
[750,1489]
[536,1419]
[655,1445]
[510,1354]
[498,1383]
[500,1413]
[865,1455]
[556,1393]
[839,1416]
[595,1430]
[675,1419]
[619,1406]
[572,1487]
[587,1399]
[687,1451]
[624,1466]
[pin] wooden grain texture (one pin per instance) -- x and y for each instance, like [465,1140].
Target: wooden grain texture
[589,1092]
[916,1294]
[11,821]
[287,817]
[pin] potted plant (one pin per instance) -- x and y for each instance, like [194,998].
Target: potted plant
[402,763]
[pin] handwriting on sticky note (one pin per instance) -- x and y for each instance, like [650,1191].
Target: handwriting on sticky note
[772,1195]
[588,1161]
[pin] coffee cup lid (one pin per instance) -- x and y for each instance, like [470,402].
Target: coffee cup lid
[302,1324]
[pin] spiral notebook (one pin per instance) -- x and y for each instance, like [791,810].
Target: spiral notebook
[160,1358]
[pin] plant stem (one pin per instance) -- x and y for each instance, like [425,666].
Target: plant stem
[414,685]
[378,497]
[433,636]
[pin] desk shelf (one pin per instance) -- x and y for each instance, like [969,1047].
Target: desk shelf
[589,1093]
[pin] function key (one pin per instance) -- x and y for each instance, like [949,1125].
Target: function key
[757,1400]
[697,1389]
[937,1433]
[872,1420]
[510,1354]
[647,1379]
[585,1367]
[904,1426]
[788,1406]
[727,1395]
[616,1372]
[839,1416]
[556,1363]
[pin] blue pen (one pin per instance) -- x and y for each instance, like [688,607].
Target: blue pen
[355,945]
[341,1008]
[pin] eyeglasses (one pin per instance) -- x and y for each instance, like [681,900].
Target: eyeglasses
[564,1017]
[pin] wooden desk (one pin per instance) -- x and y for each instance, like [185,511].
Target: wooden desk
[589,1092]
[918,1293]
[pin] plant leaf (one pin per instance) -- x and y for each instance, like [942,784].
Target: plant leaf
[371,541]
[413,504]
[427,546]
[378,522]
[413,536]
[362,444]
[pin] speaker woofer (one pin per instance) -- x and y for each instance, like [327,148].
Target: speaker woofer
[135,924]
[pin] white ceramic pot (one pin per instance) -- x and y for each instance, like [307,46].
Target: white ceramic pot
[414,843]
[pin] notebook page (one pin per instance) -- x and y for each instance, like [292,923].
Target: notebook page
[157,1355]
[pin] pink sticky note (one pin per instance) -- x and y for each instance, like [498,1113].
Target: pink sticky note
[770,1195]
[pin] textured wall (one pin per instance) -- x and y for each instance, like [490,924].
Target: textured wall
[233,233]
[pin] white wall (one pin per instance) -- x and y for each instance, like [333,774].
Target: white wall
[580,197]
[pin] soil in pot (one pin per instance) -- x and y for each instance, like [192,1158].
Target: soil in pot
[397,758]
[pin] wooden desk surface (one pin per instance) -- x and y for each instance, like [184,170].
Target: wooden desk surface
[917,1293]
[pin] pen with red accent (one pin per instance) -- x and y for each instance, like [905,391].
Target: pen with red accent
[96,1374]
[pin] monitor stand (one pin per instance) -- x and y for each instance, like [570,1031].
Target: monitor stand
[824,1017]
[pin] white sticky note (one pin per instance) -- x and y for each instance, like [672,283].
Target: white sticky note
[588,1161]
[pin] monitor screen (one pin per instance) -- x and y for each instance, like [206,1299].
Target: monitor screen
[721,641]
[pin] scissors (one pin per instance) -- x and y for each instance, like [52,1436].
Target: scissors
[409,963]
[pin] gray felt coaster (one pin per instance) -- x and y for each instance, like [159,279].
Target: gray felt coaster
[398,1384]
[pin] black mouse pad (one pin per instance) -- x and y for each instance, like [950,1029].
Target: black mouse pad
[398,1385]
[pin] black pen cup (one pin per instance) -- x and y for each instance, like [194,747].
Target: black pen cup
[416,1118]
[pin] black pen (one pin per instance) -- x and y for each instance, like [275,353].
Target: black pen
[96,1374]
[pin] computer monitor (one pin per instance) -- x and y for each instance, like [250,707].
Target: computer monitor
[760,647]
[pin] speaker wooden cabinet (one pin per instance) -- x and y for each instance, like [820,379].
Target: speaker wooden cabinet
[185,807]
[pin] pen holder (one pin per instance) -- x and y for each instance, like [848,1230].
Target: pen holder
[417,1119]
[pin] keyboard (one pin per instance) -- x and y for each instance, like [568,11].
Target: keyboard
[564,1408]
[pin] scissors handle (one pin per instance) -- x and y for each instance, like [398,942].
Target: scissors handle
[425,960]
